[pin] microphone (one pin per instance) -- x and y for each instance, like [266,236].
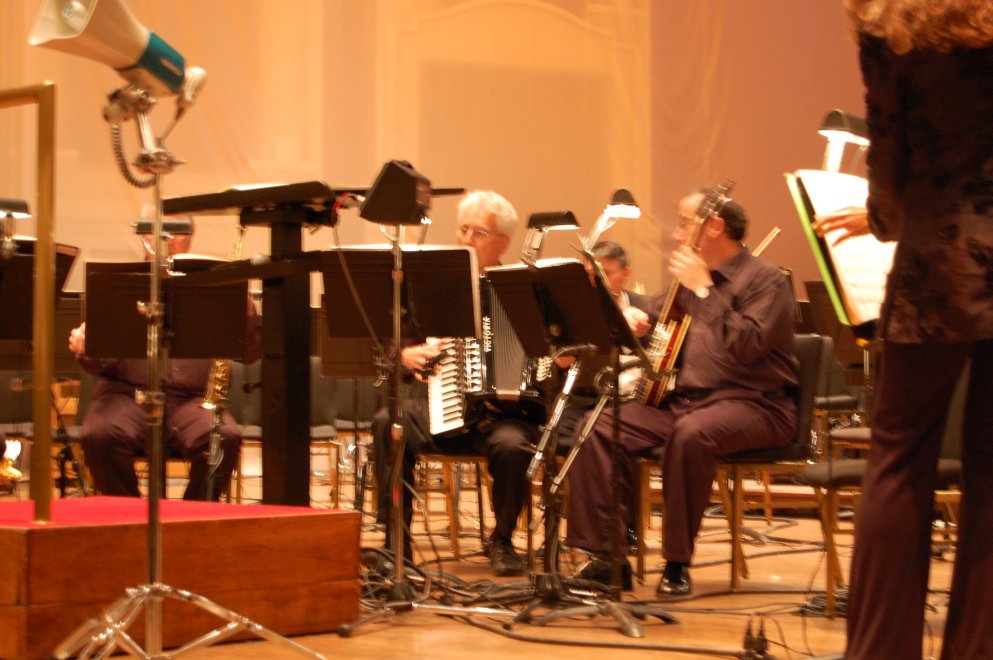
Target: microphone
[26,384]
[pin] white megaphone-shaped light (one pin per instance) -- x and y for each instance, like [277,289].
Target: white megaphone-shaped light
[106,31]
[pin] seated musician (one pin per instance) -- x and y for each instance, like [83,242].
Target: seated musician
[735,365]
[616,267]
[114,427]
[486,222]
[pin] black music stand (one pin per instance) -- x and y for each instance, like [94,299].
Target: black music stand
[359,289]
[17,286]
[16,327]
[439,296]
[353,360]
[555,310]
[198,323]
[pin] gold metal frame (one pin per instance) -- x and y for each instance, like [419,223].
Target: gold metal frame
[43,314]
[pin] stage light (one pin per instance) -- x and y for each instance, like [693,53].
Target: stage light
[621,206]
[538,225]
[840,129]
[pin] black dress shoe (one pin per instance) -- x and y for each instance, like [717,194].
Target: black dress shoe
[675,580]
[504,560]
[599,569]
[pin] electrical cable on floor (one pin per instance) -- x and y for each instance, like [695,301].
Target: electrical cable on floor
[719,653]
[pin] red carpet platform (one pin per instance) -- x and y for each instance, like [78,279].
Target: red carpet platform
[293,570]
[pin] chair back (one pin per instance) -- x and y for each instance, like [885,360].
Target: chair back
[323,406]
[810,351]
[357,400]
[246,407]
[16,412]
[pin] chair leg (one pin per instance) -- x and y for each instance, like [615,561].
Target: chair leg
[479,505]
[643,516]
[451,478]
[733,501]
[737,501]
[829,519]
[334,455]
[767,497]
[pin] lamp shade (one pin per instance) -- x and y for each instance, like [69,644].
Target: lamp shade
[14,208]
[550,220]
[843,126]
[623,196]
[622,205]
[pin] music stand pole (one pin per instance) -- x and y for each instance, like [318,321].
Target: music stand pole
[99,637]
[153,401]
[401,596]
[551,304]
[401,589]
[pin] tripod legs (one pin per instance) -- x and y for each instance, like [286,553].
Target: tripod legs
[98,638]
[68,455]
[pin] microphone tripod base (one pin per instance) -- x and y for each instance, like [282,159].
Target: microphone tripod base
[401,591]
[99,637]
[567,598]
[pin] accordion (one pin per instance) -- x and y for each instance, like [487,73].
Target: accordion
[485,376]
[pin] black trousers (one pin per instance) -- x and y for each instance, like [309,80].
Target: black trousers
[893,529]
[507,444]
[695,434]
[114,433]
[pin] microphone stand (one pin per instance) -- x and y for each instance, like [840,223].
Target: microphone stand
[99,637]
[557,305]
[67,455]
[401,595]
[215,452]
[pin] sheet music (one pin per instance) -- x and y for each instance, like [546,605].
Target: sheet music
[860,264]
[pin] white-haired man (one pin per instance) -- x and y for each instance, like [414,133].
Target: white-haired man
[486,222]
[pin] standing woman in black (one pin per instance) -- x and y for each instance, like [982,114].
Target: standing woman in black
[928,72]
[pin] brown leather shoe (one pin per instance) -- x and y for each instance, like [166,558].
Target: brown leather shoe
[675,580]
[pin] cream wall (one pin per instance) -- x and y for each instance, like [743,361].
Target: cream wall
[554,104]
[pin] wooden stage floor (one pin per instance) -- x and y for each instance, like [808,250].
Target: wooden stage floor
[786,573]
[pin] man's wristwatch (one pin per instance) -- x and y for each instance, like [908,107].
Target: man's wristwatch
[702,292]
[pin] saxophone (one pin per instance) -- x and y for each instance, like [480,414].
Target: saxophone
[219,376]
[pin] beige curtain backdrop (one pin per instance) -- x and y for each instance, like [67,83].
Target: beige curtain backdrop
[553,104]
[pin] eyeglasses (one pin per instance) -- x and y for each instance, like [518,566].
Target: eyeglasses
[686,223]
[474,232]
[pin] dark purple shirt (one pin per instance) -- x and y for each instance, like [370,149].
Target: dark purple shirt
[741,335]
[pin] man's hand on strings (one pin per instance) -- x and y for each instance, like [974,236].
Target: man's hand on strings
[637,321]
[687,266]
[850,221]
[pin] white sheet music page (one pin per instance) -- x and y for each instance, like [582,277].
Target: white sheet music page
[861,263]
